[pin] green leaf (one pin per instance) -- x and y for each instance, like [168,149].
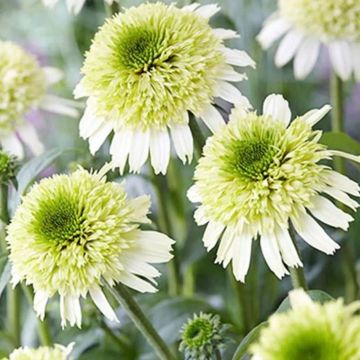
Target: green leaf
[5,277]
[316,295]
[341,142]
[249,339]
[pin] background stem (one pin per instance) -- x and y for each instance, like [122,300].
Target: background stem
[297,273]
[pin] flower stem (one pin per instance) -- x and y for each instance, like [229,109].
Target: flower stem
[124,298]
[338,125]
[198,136]
[218,355]
[297,273]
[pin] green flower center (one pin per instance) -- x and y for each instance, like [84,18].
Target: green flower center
[198,333]
[60,220]
[253,158]
[139,48]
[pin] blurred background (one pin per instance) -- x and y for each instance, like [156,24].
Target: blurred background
[59,39]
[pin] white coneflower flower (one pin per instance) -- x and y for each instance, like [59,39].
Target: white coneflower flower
[70,231]
[58,352]
[310,330]
[308,24]
[262,172]
[74,6]
[146,70]
[23,86]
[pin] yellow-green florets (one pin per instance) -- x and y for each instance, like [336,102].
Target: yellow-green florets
[69,232]
[150,64]
[22,84]
[311,331]
[8,167]
[57,352]
[201,337]
[326,19]
[259,170]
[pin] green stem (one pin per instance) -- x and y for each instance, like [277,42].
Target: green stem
[338,125]
[198,136]
[42,326]
[124,298]
[161,188]
[4,212]
[218,355]
[297,273]
[13,314]
[123,342]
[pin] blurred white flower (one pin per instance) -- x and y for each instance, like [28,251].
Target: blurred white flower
[306,25]
[74,6]
[23,86]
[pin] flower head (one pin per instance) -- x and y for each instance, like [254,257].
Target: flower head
[201,337]
[329,331]
[310,23]
[58,352]
[73,230]
[146,70]
[74,6]
[23,85]
[8,167]
[259,175]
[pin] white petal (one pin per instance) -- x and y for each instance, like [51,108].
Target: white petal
[278,108]
[89,123]
[193,194]
[160,150]
[200,217]
[135,264]
[343,183]
[324,210]
[139,150]
[40,300]
[299,298]
[98,137]
[227,73]
[102,304]
[287,248]
[242,256]
[29,136]
[312,117]
[226,248]
[52,74]
[238,57]
[225,33]
[57,105]
[140,206]
[137,283]
[355,49]
[345,155]
[287,48]
[314,234]
[212,233]
[183,141]
[80,91]
[190,7]
[228,92]
[212,118]
[50,3]
[70,310]
[273,29]
[12,145]
[120,148]
[340,55]
[207,11]
[306,57]
[271,252]
[74,6]
[342,197]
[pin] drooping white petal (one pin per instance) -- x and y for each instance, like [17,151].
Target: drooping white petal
[342,182]
[139,150]
[160,150]
[299,298]
[190,7]
[355,50]
[314,234]
[212,233]
[324,210]
[273,29]
[53,75]
[228,92]
[137,283]
[287,248]
[225,33]
[135,265]
[40,300]
[193,194]
[340,56]
[238,58]
[183,141]
[200,217]
[288,47]
[278,108]
[140,206]
[12,145]
[74,6]
[212,118]
[70,310]
[207,11]
[342,197]
[102,304]
[227,73]
[312,117]
[90,122]
[98,137]
[80,91]
[29,136]
[271,252]
[242,256]
[58,105]
[306,57]
[345,155]
[225,251]
[120,147]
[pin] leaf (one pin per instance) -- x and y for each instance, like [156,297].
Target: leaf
[316,295]
[341,142]
[249,339]
[5,277]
